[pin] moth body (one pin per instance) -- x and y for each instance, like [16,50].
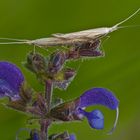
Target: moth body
[71,39]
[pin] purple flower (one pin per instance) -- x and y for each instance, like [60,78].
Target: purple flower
[11,80]
[72,137]
[98,96]
[75,109]
[95,118]
[34,135]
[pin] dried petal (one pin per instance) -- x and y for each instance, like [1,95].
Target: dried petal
[64,78]
[62,85]
[39,107]
[17,104]
[90,53]
[67,111]
[69,73]
[36,63]
[56,62]
[26,93]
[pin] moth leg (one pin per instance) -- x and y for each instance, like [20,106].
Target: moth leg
[104,41]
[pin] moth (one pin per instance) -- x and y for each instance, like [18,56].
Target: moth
[71,39]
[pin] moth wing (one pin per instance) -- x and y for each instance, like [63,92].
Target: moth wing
[89,35]
[84,35]
[59,35]
[75,35]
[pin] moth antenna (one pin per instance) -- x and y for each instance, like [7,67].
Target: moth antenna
[115,27]
[129,26]
[104,41]
[10,43]
[115,123]
[13,39]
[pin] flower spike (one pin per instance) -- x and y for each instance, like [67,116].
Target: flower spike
[75,109]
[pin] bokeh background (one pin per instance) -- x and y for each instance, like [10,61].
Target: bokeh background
[118,71]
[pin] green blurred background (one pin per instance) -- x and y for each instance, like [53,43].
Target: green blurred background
[118,71]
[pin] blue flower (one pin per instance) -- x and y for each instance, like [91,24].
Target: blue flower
[11,79]
[75,109]
[72,137]
[34,135]
[97,96]
[95,118]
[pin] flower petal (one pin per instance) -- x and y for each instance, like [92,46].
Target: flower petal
[11,79]
[34,135]
[99,96]
[72,137]
[5,88]
[95,118]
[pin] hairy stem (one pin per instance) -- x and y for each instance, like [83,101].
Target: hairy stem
[46,123]
[48,94]
[44,129]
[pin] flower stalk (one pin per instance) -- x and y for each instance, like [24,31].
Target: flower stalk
[52,73]
[48,93]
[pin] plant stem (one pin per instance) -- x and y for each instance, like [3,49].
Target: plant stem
[44,129]
[46,123]
[48,94]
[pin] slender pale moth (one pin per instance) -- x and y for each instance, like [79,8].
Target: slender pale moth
[71,39]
